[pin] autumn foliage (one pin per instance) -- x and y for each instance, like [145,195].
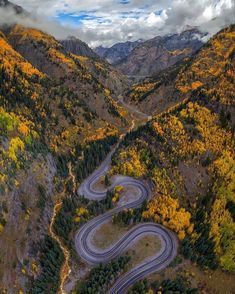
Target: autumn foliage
[167,211]
[196,134]
[212,69]
[10,59]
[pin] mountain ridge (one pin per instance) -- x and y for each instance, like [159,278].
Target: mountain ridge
[78,47]
[160,53]
[155,91]
[118,51]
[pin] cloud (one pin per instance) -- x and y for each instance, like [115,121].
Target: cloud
[109,21]
[8,16]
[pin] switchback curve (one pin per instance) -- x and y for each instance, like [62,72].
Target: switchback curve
[95,256]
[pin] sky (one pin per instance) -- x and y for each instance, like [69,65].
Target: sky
[106,22]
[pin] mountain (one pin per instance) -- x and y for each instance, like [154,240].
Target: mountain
[5,4]
[117,52]
[59,116]
[51,58]
[78,47]
[160,53]
[100,68]
[167,88]
[155,94]
[187,155]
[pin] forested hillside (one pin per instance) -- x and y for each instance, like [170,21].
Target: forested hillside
[188,155]
[55,110]
[61,115]
[209,73]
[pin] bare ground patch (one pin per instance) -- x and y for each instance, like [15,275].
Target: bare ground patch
[129,194]
[195,177]
[107,234]
[99,185]
[143,249]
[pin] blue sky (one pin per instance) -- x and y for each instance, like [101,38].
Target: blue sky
[76,19]
[109,21]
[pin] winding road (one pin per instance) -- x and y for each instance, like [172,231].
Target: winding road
[95,256]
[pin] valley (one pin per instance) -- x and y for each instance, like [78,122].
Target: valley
[117,165]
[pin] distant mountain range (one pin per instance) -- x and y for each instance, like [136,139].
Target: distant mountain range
[140,59]
[117,52]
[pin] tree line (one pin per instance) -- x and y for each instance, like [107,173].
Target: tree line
[130,216]
[103,276]
[87,157]
[201,250]
[51,260]
[178,285]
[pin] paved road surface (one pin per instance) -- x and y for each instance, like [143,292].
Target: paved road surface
[95,256]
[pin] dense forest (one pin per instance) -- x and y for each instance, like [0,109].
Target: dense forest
[51,260]
[209,130]
[103,276]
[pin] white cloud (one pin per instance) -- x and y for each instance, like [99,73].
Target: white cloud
[208,13]
[154,19]
[112,22]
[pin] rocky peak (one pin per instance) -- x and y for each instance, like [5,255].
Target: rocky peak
[118,51]
[78,47]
